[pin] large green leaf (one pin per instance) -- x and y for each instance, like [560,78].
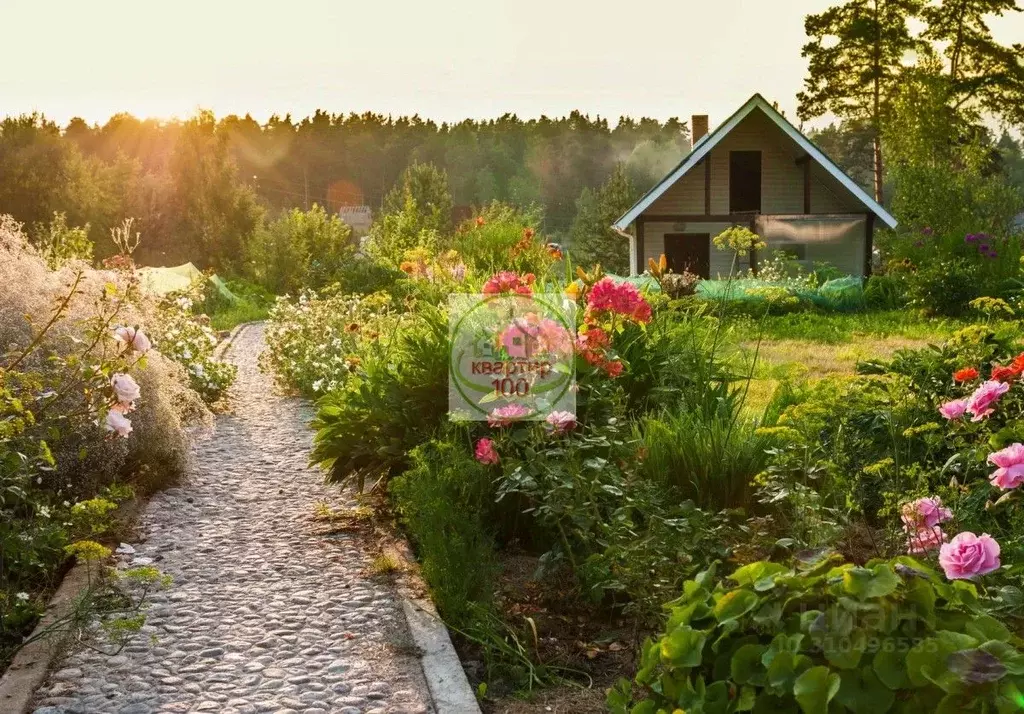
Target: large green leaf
[682,647]
[864,583]
[890,666]
[734,604]
[815,688]
[862,692]
[746,666]
[845,652]
[754,572]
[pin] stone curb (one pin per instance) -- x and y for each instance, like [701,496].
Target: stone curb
[442,668]
[223,345]
[31,665]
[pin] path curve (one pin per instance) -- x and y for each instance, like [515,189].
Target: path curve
[263,615]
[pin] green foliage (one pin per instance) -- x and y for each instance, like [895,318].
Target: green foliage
[591,238]
[822,637]
[301,249]
[417,212]
[394,401]
[503,237]
[60,244]
[445,501]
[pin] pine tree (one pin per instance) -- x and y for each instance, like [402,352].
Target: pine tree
[592,238]
[983,74]
[855,57]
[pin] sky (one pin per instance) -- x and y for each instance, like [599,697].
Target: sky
[445,60]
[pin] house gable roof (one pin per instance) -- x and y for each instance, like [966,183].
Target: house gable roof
[708,142]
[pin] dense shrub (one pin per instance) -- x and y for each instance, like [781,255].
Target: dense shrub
[445,501]
[301,249]
[823,637]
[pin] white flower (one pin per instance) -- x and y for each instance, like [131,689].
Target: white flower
[317,385]
[186,354]
[23,597]
[43,511]
[116,421]
[126,389]
[134,338]
[184,303]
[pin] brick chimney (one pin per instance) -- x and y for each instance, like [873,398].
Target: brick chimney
[698,127]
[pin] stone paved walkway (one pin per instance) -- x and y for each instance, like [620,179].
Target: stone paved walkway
[263,615]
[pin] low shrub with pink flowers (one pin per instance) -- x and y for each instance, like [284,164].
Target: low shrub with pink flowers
[90,413]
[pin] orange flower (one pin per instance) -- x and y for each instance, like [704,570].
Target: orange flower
[480,221]
[528,233]
[1018,363]
[573,291]
[965,375]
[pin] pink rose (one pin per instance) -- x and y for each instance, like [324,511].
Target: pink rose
[134,338]
[126,389]
[980,403]
[924,513]
[485,452]
[925,539]
[954,409]
[968,555]
[1010,461]
[503,416]
[116,421]
[561,422]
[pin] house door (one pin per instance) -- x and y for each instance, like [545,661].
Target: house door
[690,252]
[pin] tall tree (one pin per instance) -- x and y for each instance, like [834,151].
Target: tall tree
[855,56]
[982,73]
[592,239]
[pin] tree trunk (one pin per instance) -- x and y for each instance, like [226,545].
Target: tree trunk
[877,152]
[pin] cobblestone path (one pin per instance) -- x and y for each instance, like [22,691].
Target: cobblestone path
[263,615]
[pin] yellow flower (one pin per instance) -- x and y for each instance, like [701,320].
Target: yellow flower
[573,291]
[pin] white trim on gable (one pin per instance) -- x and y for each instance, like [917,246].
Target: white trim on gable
[704,147]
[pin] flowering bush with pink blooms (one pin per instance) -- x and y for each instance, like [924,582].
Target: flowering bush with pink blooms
[89,413]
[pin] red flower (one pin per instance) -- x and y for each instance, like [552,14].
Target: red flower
[613,368]
[621,298]
[1018,363]
[1004,374]
[509,282]
[965,375]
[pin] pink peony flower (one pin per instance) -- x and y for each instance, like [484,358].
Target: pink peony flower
[1010,461]
[116,421]
[925,539]
[954,409]
[561,422]
[485,452]
[503,416]
[980,403]
[968,555]
[924,513]
[133,337]
[126,389]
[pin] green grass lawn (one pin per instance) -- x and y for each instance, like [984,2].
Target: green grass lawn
[848,327]
[236,314]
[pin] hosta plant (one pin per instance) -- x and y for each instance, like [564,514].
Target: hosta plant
[889,636]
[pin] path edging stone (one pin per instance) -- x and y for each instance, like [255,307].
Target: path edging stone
[446,679]
[31,664]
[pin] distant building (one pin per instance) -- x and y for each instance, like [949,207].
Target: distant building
[358,218]
[754,170]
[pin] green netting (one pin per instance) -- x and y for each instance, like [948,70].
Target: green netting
[161,281]
[840,294]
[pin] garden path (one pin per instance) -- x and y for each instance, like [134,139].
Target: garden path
[263,614]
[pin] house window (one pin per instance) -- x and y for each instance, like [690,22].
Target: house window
[744,181]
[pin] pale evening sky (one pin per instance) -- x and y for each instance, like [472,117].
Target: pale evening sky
[444,60]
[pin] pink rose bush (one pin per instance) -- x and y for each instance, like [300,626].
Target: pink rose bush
[134,338]
[1010,461]
[486,453]
[126,390]
[561,422]
[981,403]
[118,423]
[921,519]
[505,416]
[969,555]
